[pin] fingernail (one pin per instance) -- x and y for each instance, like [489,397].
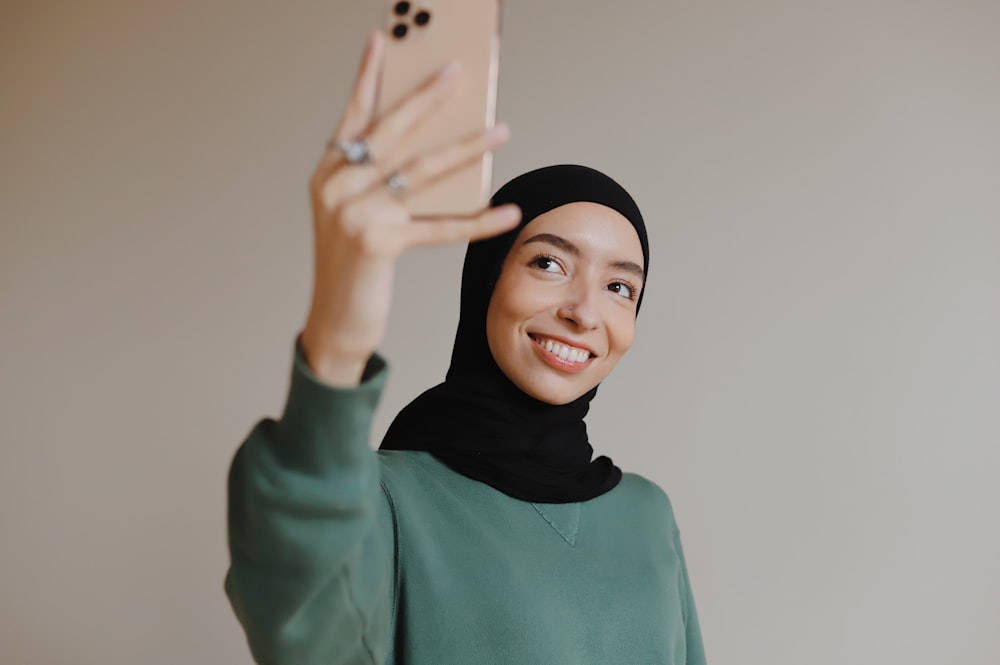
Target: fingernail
[450,70]
[510,212]
[500,131]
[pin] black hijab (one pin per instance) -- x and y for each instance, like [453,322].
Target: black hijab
[478,422]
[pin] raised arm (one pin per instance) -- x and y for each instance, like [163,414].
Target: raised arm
[310,529]
[311,535]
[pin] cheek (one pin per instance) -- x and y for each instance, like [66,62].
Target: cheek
[621,332]
[511,303]
[502,318]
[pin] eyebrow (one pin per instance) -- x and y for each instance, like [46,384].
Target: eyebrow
[558,241]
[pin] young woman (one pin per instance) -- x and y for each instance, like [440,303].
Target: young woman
[482,531]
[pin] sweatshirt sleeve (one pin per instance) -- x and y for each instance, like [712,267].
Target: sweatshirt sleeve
[692,629]
[311,534]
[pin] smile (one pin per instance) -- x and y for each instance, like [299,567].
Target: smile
[561,355]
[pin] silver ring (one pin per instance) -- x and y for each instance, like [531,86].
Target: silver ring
[355,152]
[396,183]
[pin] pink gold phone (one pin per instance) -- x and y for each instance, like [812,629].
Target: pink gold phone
[424,36]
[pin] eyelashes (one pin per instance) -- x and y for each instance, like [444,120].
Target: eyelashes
[545,262]
[632,292]
[545,258]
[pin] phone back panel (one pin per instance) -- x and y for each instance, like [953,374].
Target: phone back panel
[437,32]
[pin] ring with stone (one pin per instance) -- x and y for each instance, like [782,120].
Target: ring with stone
[355,152]
[396,183]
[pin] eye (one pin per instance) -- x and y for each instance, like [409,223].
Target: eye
[546,263]
[623,289]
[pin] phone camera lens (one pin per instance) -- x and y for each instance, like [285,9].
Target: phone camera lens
[422,18]
[400,30]
[401,8]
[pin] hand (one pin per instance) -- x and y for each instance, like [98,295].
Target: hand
[361,228]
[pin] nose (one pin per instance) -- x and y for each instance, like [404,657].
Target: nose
[580,309]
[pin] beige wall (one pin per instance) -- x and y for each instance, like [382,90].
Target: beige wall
[817,375]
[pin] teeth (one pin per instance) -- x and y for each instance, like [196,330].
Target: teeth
[567,353]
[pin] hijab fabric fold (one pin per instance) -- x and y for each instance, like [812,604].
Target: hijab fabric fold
[477,421]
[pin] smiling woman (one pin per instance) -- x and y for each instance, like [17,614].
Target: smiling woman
[484,530]
[510,411]
[567,296]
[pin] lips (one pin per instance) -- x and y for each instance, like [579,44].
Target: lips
[562,349]
[560,354]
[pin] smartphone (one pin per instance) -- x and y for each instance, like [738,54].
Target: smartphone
[424,36]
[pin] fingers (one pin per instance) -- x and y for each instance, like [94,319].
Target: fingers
[425,171]
[421,172]
[388,134]
[490,222]
[392,131]
[441,163]
[361,108]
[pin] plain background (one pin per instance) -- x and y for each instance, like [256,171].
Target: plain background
[816,378]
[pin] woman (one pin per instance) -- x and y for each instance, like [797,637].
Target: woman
[483,531]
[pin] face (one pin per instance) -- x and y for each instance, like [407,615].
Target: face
[563,311]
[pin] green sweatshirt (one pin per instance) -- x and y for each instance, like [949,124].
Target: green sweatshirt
[341,555]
